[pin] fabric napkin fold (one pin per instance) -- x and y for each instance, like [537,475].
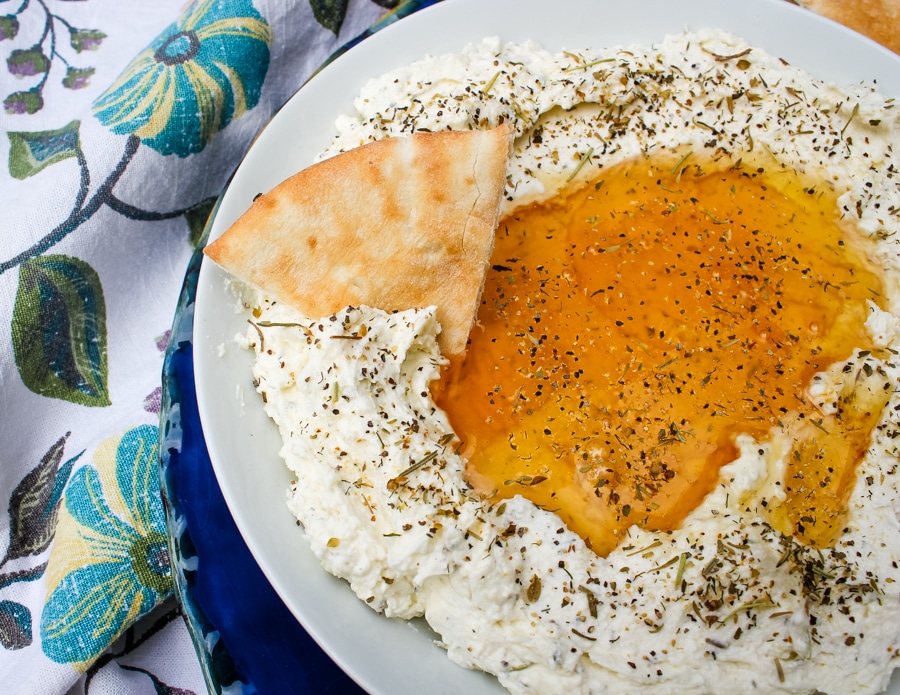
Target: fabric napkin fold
[123,122]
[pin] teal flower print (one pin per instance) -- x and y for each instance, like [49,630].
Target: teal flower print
[109,563]
[202,72]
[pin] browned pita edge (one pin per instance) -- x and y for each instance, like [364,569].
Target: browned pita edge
[877,19]
[395,224]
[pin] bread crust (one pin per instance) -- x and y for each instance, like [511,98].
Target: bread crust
[395,224]
[877,19]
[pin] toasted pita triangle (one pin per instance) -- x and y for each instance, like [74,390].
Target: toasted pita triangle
[394,224]
[877,19]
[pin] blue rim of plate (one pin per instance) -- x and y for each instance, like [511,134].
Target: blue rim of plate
[246,639]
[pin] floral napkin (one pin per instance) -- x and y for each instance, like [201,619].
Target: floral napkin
[123,121]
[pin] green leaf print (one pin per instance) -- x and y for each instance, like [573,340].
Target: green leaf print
[15,625]
[329,13]
[30,153]
[197,217]
[59,330]
[34,505]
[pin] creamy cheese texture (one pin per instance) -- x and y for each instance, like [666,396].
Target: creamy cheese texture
[725,603]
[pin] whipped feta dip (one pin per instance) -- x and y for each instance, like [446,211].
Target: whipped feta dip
[381,494]
[724,603]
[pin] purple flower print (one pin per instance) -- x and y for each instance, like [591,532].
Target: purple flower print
[20,103]
[9,27]
[27,62]
[162,340]
[33,65]
[77,78]
[86,39]
[153,401]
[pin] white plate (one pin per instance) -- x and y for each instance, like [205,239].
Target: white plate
[388,656]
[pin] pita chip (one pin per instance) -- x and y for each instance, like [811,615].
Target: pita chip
[877,19]
[394,224]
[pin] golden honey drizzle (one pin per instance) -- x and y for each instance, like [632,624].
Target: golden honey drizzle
[632,328]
